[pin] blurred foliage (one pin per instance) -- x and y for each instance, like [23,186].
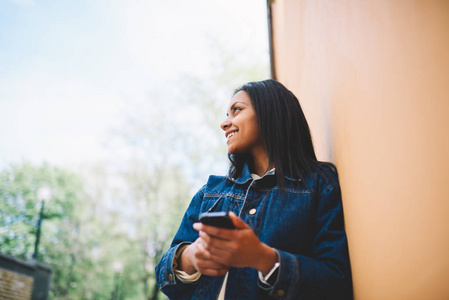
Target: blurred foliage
[20,208]
[93,222]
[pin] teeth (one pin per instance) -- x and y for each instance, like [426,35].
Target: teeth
[231,134]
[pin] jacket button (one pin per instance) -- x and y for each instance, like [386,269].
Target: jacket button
[170,277]
[252,211]
[281,293]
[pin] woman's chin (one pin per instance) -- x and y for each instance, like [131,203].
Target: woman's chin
[231,150]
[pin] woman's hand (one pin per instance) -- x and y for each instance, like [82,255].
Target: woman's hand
[195,258]
[239,248]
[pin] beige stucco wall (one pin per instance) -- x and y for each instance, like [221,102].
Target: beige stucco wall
[373,79]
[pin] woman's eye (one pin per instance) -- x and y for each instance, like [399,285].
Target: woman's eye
[236,109]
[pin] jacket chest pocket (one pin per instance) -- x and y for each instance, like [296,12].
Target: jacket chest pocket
[227,202]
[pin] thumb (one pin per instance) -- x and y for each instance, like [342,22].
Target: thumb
[238,223]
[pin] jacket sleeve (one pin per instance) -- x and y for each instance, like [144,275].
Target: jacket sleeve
[166,279]
[326,273]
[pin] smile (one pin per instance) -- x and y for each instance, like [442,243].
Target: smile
[231,135]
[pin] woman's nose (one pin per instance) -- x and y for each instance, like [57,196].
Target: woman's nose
[226,124]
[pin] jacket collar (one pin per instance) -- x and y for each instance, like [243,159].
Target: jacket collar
[245,176]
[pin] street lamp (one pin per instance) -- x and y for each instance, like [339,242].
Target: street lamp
[117,266]
[43,195]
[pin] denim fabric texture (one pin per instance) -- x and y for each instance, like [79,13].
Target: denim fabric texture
[304,224]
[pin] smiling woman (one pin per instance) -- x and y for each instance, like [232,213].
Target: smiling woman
[289,240]
[242,131]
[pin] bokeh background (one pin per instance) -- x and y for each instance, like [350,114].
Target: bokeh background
[115,106]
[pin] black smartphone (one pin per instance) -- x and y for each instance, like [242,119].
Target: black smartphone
[218,219]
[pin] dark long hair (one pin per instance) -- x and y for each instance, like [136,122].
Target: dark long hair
[284,131]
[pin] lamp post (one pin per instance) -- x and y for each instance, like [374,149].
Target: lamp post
[43,195]
[117,266]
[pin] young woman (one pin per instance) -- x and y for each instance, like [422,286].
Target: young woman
[289,241]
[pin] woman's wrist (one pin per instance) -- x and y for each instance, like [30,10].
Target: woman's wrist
[267,260]
[185,263]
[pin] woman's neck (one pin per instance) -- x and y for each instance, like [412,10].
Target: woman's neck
[261,163]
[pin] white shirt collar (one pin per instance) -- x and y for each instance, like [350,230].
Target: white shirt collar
[257,177]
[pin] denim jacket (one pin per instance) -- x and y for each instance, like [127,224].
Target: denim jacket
[304,224]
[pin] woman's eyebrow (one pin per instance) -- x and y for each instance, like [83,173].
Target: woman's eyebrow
[233,106]
[235,103]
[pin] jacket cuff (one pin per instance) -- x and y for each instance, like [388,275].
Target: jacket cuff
[181,275]
[288,273]
[167,274]
[270,279]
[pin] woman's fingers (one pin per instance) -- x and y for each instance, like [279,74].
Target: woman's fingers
[219,233]
[205,264]
[222,233]
[206,257]
[230,247]
[238,223]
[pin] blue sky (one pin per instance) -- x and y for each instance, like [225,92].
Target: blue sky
[68,67]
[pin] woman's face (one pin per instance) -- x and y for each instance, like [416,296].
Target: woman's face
[241,130]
